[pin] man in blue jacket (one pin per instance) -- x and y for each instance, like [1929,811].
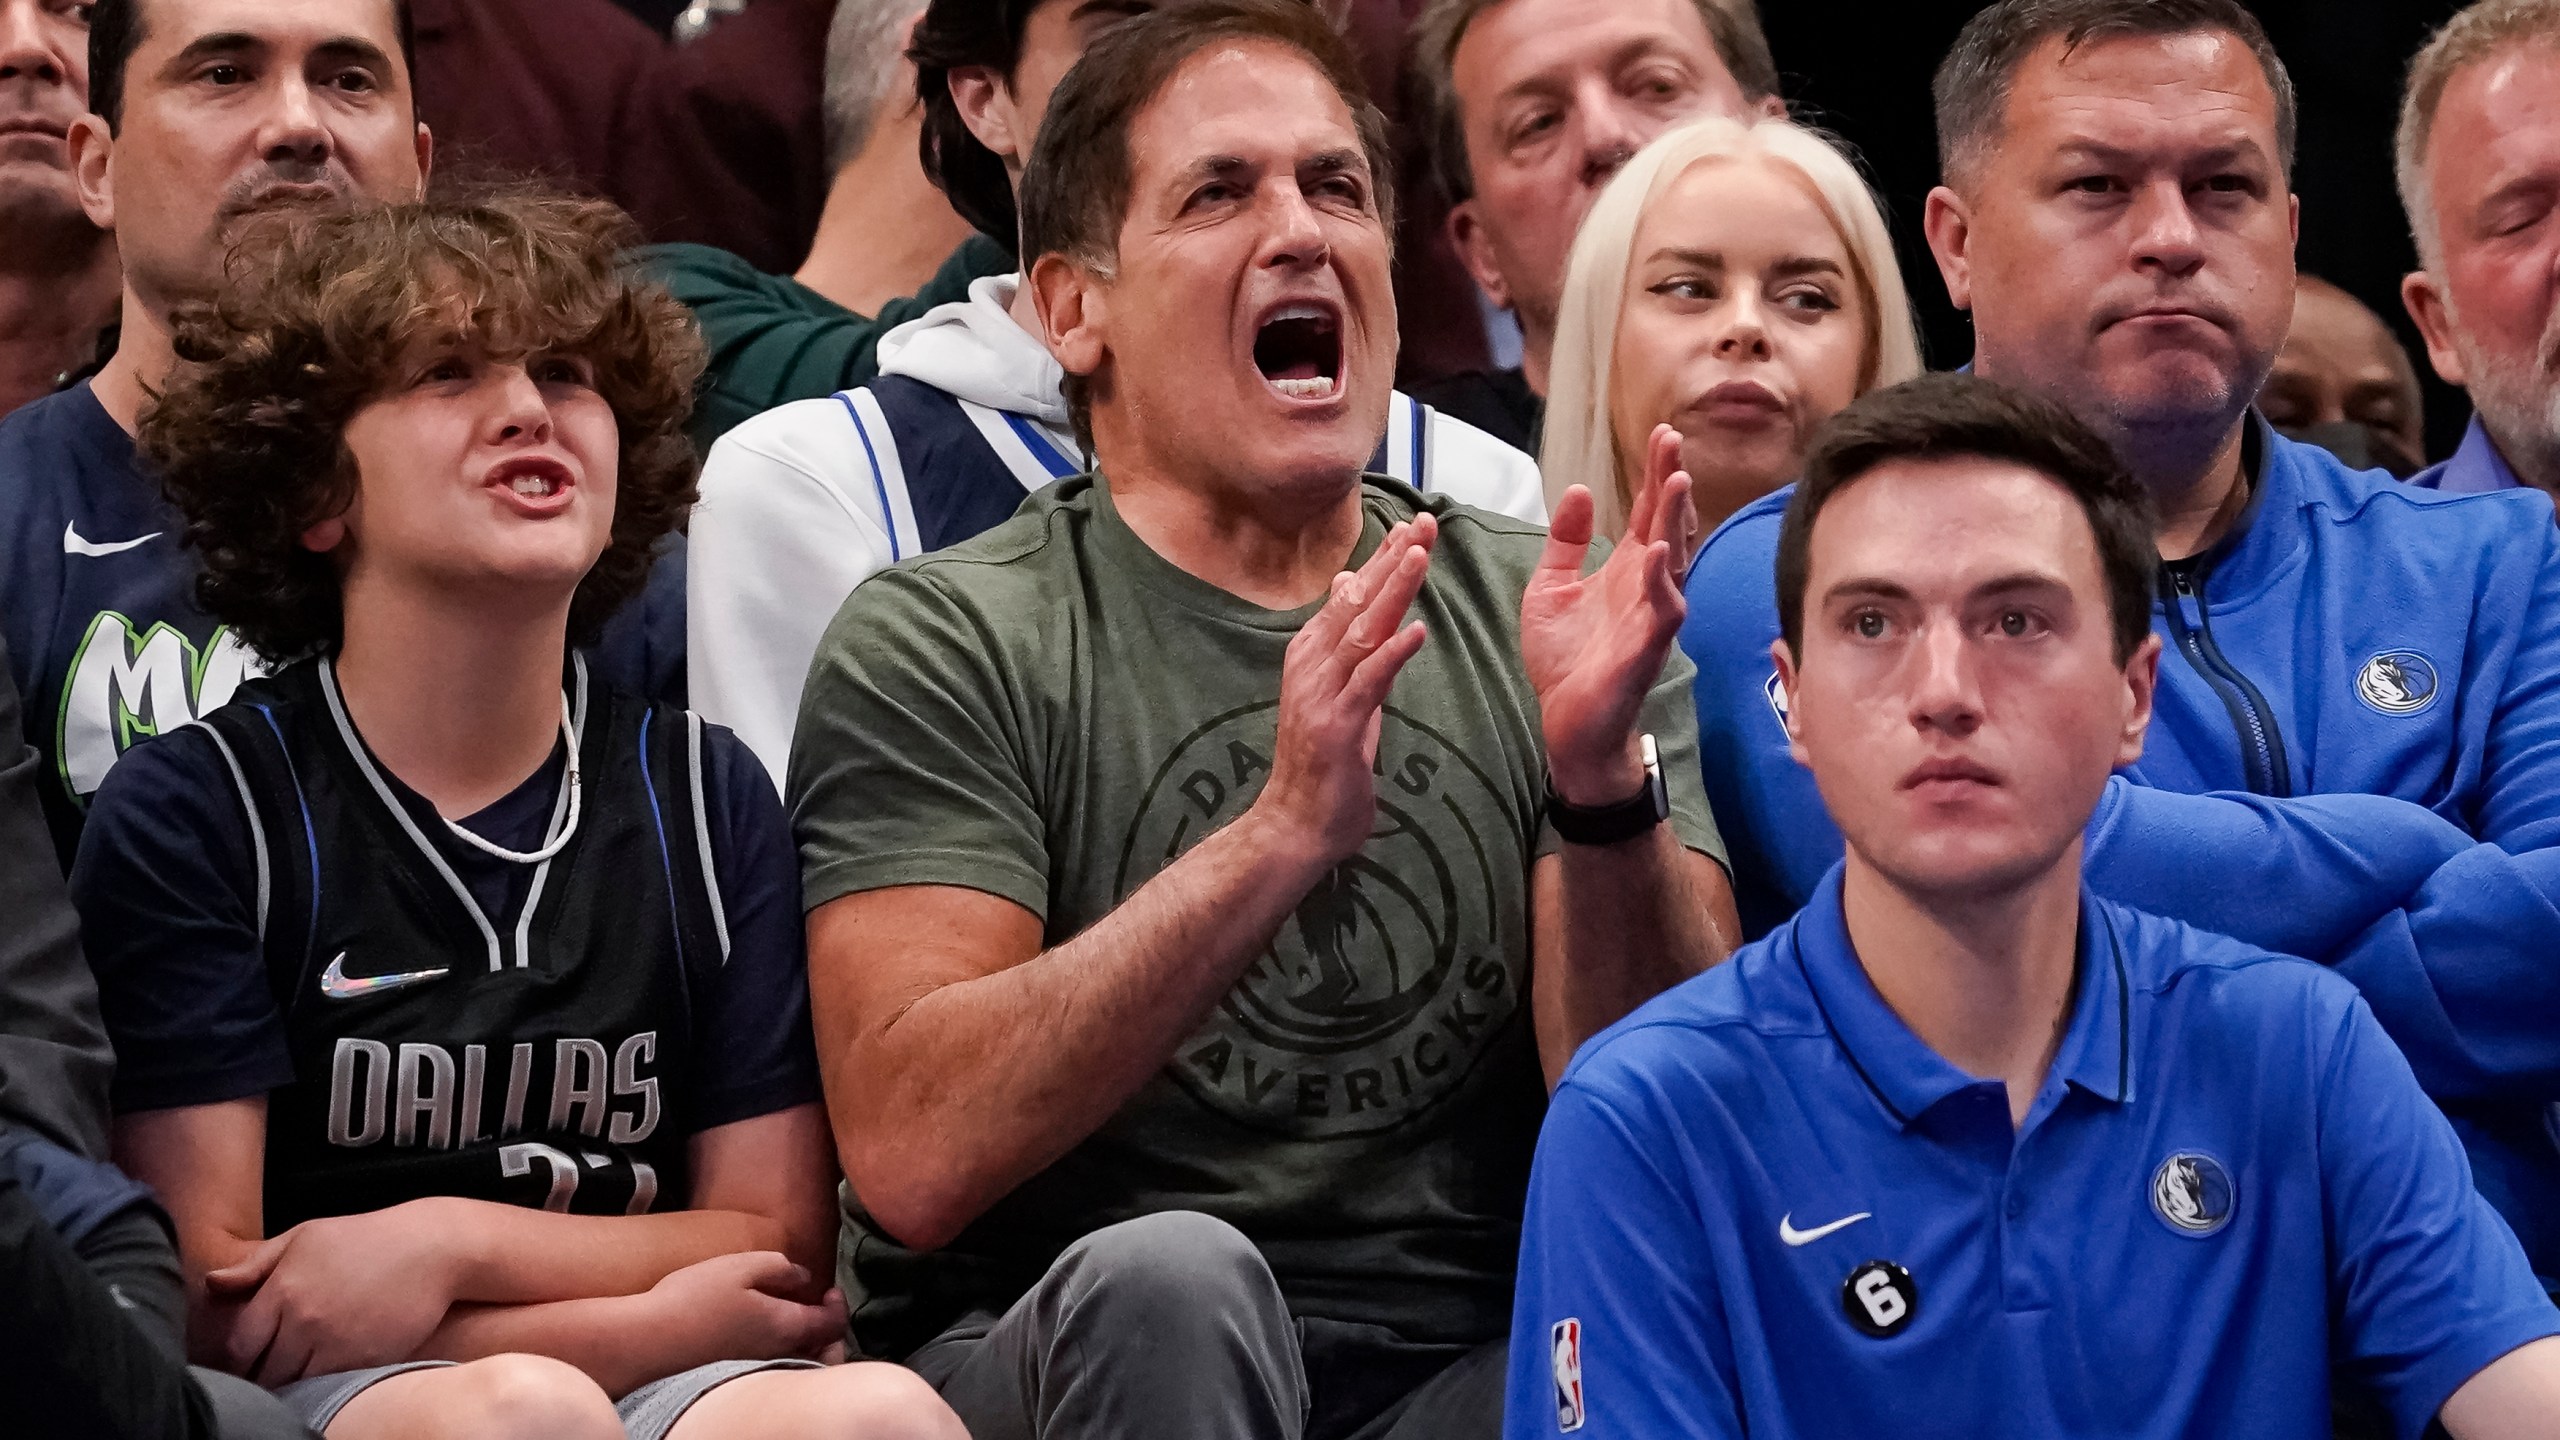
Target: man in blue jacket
[1965,1149]
[2356,755]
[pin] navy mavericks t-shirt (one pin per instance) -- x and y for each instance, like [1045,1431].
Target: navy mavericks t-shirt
[97,600]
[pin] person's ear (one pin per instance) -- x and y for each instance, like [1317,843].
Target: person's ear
[2433,311]
[985,103]
[426,156]
[2141,681]
[91,149]
[1074,307]
[1774,107]
[1474,245]
[1949,225]
[326,535]
[1790,704]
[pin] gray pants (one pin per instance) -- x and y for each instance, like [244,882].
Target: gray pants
[1171,1326]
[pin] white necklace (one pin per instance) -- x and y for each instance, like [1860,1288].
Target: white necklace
[568,824]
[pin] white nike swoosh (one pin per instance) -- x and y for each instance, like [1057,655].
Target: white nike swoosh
[1793,1236]
[72,544]
[338,985]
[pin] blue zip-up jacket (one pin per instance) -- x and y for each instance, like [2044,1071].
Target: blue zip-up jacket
[2354,756]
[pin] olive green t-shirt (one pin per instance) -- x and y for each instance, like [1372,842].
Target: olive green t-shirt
[1052,713]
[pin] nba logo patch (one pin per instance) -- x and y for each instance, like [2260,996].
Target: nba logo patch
[1565,1344]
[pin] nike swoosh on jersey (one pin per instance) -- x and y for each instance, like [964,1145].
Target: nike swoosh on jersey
[337,984]
[1793,1236]
[73,544]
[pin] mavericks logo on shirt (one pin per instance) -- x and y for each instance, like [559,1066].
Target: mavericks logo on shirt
[1388,982]
[122,688]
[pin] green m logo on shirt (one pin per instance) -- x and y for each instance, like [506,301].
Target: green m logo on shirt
[1381,992]
[123,688]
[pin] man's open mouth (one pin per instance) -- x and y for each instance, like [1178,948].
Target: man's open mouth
[1299,351]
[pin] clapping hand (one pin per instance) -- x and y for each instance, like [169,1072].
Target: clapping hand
[1595,644]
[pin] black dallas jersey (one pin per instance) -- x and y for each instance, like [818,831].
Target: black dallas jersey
[536,1056]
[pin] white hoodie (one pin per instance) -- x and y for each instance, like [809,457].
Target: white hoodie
[794,513]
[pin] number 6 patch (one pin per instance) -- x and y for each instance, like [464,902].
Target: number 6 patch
[1564,1343]
[1879,1298]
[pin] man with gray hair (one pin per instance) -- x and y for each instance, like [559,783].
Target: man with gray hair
[2479,167]
[1530,107]
[889,247]
[2355,755]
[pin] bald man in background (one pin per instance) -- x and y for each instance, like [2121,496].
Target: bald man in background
[2343,383]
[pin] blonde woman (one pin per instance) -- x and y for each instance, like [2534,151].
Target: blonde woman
[1732,288]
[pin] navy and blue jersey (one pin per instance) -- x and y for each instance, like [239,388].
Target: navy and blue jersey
[1762,1206]
[272,913]
[97,597]
[2354,756]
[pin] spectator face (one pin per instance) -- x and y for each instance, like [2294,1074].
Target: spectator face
[44,86]
[1005,113]
[1743,327]
[1554,96]
[1958,698]
[2489,305]
[2125,241]
[479,475]
[1248,325]
[235,107]
[2340,366]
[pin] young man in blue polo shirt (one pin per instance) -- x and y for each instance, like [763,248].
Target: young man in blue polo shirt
[2357,741]
[1964,1149]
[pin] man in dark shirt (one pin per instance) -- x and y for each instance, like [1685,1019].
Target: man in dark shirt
[209,113]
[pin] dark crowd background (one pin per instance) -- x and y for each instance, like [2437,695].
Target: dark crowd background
[1858,67]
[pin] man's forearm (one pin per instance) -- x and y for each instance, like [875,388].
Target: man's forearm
[622,1342]
[1617,925]
[981,1083]
[506,1254]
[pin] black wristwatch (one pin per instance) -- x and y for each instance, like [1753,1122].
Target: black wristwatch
[1610,824]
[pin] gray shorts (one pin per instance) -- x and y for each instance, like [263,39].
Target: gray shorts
[648,1413]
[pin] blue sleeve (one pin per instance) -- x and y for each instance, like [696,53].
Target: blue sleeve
[753,1052]
[1617,1306]
[2431,1284]
[1778,836]
[2448,937]
[168,913]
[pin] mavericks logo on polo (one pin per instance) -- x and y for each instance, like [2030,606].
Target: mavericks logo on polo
[1388,982]
[2397,682]
[2192,1194]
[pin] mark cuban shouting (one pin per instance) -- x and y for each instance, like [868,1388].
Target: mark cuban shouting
[1941,1155]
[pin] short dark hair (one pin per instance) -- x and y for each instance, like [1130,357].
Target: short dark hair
[1075,191]
[953,34]
[1973,83]
[312,324]
[1946,417]
[115,32]
[1733,27]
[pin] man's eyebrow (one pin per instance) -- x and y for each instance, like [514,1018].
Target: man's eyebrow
[1544,82]
[352,49]
[2230,152]
[219,42]
[2017,581]
[1865,587]
[1344,160]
